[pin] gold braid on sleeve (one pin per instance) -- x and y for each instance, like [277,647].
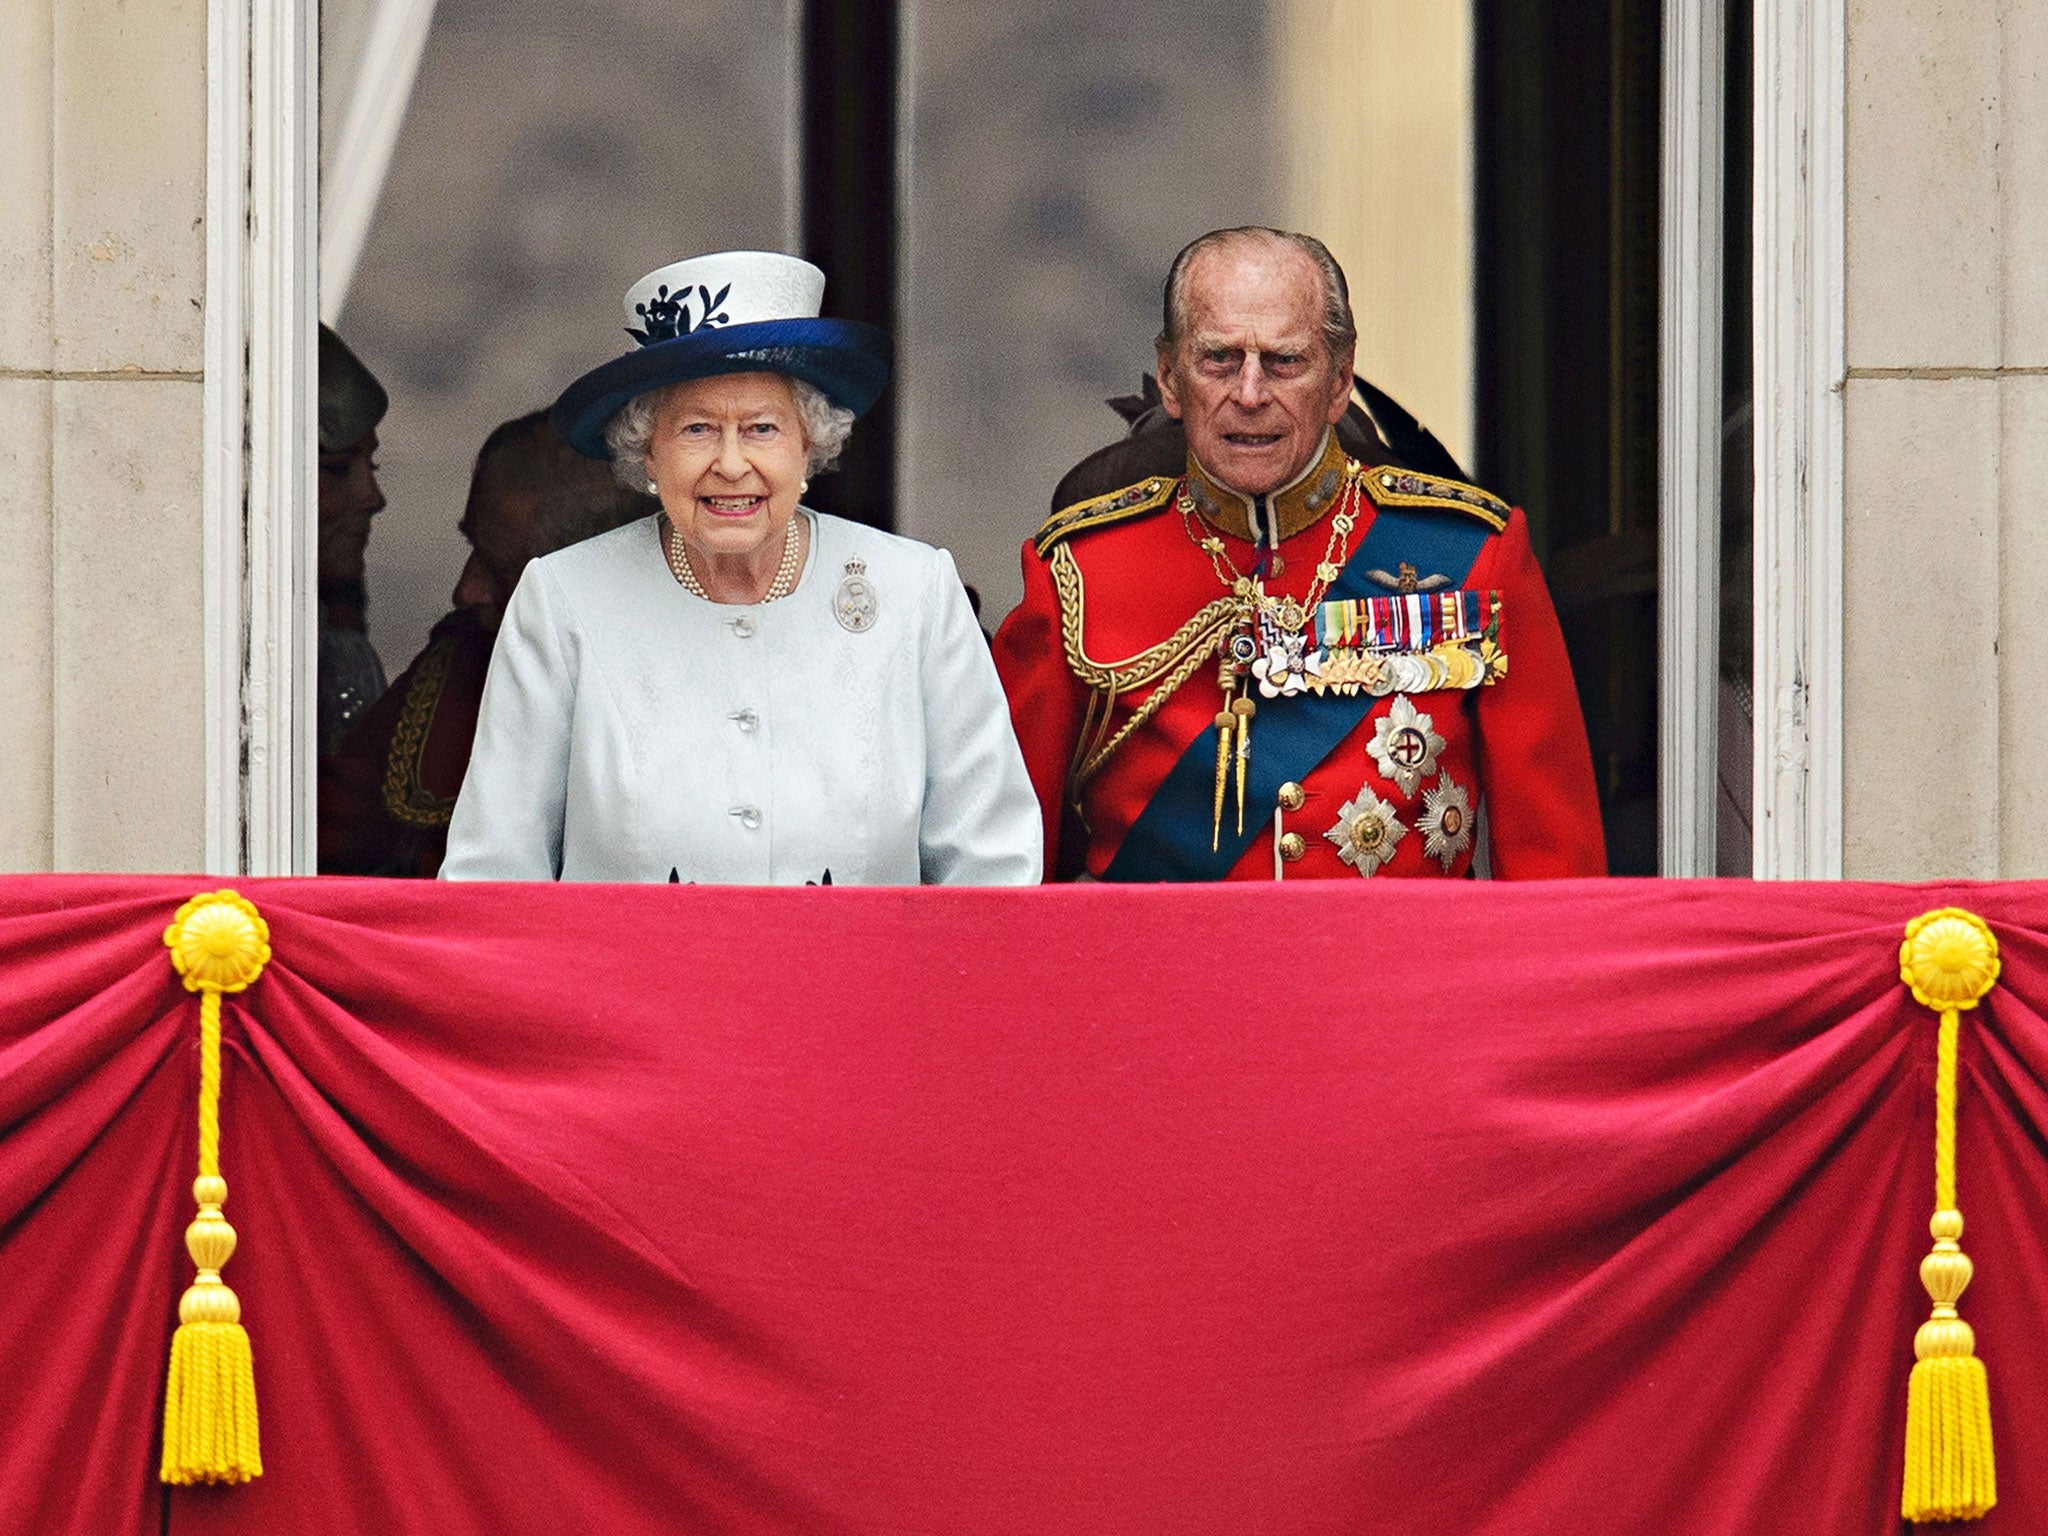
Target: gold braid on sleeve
[1169,664]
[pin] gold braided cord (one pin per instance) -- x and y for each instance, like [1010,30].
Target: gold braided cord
[209,1085]
[1133,672]
[1098,720]
[1945,1110]
[1188,666]
[1175,659]
[1088,737]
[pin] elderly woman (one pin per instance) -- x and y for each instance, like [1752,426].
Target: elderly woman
[740,690]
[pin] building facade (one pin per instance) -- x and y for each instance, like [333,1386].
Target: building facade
[159,239]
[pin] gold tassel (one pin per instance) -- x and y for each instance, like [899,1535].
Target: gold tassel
[1950,960]
[219,943]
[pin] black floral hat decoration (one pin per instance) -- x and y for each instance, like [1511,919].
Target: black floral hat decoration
[730,312]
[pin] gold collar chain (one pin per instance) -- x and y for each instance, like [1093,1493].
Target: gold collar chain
[785,571]
[1291,614]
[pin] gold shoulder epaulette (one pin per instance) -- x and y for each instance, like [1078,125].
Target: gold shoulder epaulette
[1391,487]
[1146,496]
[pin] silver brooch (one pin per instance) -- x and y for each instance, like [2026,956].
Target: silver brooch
[856,604]
[1367,832]
[1405,745]
[1446,823]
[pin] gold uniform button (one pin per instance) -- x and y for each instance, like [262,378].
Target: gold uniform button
[1292,796]
[1292,847]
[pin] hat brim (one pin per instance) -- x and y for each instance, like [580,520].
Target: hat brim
[846,359]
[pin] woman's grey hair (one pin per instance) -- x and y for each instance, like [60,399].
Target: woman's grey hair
[826,428]
[1340,330]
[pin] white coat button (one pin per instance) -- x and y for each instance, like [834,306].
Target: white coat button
[745,719]
[743,626]
[748,816]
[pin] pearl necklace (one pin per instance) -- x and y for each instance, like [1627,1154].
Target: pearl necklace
[785,572]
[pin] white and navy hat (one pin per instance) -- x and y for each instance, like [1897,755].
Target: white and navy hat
[731,312]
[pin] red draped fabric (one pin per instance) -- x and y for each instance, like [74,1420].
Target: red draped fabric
[1590,1207]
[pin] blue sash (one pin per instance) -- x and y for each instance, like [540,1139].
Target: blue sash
[1170,838]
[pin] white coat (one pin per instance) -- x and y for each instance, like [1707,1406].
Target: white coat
[633,731]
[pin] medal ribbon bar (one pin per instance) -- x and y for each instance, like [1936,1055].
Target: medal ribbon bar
[1416,621]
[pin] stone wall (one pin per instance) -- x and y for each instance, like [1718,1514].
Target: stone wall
[102,259]
[1387,184]
[102,288]
[1946,541]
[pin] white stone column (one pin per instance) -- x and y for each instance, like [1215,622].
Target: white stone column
[1945,542]
[102,265]
[1376,146]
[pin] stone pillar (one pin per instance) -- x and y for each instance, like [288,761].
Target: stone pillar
[1945,653]
[102,287]
[1376,145]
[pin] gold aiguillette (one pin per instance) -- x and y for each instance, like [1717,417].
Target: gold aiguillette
[1244,709]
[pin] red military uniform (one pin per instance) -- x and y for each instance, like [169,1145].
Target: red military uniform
[1111,664]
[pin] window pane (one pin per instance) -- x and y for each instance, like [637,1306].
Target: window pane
[551,154]
[1059,154]
[1732,817]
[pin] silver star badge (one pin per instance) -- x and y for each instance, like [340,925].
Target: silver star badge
[1405,745]
[1446,823]
[1367,832]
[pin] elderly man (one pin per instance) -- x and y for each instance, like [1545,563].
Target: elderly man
[386,796]
[1285,662]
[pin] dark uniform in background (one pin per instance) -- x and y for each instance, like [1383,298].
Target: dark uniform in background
[388,791]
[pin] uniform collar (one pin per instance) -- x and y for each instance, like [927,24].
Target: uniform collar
[1295,505]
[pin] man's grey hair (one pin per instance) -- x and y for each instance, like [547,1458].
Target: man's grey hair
[628,434]
[1340,330]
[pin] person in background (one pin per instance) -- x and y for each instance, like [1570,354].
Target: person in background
[352,402]
[387,793]
[740,691]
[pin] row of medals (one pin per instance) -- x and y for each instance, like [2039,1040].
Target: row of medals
[1270,645]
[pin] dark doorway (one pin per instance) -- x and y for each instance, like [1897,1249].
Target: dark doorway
[849,106]
[1567,369]
[1733,816]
